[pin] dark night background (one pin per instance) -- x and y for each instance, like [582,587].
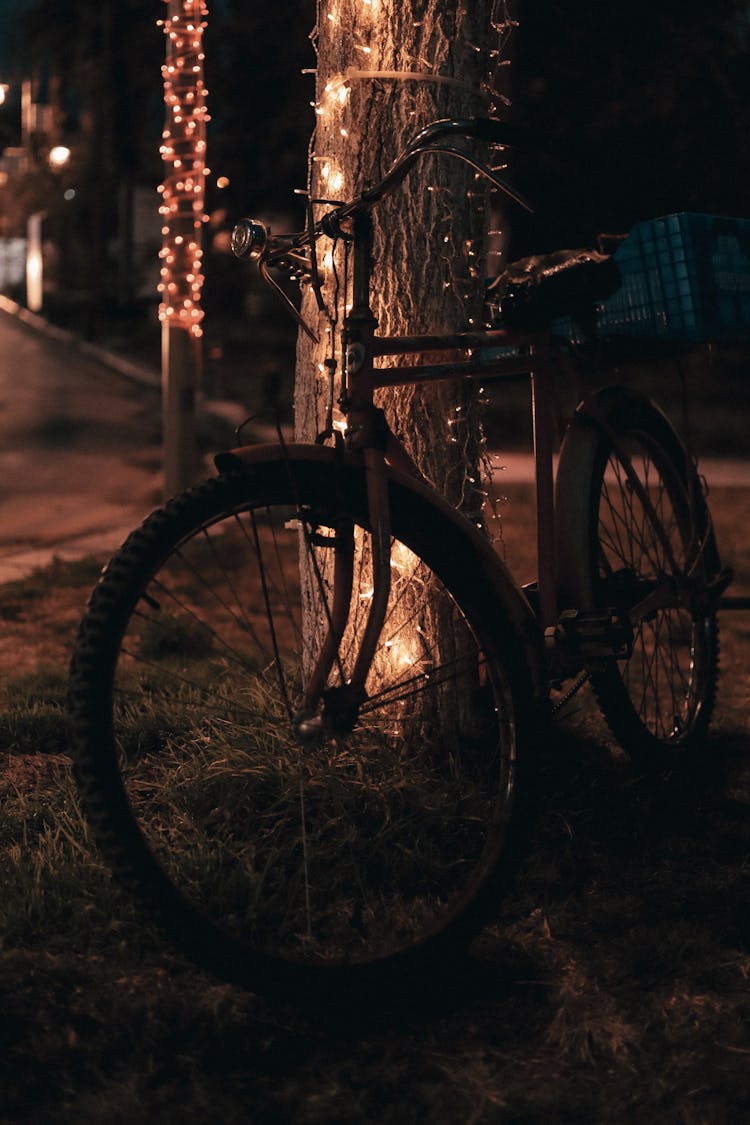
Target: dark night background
[638,108]
[635,108]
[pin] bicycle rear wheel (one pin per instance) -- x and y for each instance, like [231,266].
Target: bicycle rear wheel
[635,535]
[276,861]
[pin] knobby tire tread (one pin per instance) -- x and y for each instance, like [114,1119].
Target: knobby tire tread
[628,412]
[106,807]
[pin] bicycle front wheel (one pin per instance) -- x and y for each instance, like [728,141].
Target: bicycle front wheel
[635,535]
[278,860]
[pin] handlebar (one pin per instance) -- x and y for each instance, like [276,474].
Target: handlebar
[252,239]
[480,128]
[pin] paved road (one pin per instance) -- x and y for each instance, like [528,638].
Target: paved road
[79,452]
[80,460]
[730,472]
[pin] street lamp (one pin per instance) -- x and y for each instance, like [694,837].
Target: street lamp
[34,262]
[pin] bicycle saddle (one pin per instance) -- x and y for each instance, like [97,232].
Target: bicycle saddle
[535,290]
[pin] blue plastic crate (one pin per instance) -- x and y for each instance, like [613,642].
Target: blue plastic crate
[684,277]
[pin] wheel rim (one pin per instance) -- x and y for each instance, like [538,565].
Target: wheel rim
[338,851]
[648,553]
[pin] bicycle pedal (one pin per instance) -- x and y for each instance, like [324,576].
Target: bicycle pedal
[588,636]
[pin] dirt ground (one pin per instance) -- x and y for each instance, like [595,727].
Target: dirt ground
[614,987]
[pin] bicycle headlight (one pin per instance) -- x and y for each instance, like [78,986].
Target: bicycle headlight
[249,239]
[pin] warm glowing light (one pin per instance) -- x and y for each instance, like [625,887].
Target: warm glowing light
[402,559]
[3,93]
[183,152]
[332,176]
[222,182]
[59,156]
[401,653]
[34,262]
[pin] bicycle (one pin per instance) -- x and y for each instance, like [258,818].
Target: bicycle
[306,693]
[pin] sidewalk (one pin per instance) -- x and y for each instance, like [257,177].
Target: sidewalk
[80,452]
[79,448]
[730,472]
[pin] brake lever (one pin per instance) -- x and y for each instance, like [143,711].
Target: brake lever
[251,240]
[263,269]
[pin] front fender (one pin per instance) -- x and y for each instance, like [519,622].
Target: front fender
[465,544]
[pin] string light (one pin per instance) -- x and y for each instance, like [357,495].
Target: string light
[183,152]
[411,66]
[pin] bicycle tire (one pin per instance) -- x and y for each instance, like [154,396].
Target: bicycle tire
[632,519]
[136,730]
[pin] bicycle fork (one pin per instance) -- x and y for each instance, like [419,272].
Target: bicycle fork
[368,433]
[341,703]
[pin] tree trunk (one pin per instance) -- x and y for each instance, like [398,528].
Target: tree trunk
[429,235]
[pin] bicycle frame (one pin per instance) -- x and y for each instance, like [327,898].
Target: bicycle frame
[466,358]
[486,355]
[368,434]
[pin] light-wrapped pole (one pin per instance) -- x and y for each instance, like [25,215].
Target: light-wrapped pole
[182,207]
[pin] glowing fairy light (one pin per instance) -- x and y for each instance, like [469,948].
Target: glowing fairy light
[402,559]
[332,176]
[401,653]
[183,151]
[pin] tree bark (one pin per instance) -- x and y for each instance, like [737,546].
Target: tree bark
[429,239]
[429,244]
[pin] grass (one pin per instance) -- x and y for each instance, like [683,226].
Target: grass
[217,791]
[614,986]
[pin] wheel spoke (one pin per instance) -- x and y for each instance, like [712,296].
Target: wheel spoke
[331,839]
[647,533]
